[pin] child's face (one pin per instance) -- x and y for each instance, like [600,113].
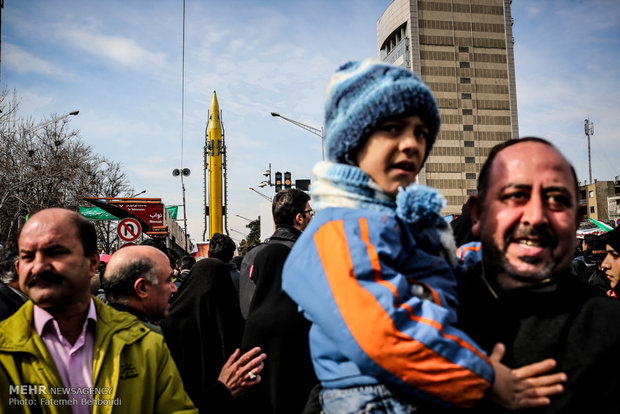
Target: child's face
[394,152]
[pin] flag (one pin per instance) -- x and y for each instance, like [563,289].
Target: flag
[601,225]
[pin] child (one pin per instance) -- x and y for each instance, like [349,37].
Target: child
[372,271]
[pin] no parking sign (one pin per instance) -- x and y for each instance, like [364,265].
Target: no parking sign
[129,229]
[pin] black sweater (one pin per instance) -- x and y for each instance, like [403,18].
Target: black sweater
[567,319]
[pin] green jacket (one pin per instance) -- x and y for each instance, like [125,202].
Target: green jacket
[132,368]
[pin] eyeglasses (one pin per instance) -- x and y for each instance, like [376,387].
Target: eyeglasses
[311,212]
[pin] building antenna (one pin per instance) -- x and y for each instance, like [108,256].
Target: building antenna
[589,128]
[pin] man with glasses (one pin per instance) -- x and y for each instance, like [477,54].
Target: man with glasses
[291,213]
[273,321]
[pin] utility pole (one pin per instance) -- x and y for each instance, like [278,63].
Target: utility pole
[589,128]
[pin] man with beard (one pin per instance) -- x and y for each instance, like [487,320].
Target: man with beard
[523,294]
[65,348]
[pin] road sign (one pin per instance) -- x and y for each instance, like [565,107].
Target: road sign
[129,229]
[618,222]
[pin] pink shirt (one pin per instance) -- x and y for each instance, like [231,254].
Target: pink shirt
[73,362]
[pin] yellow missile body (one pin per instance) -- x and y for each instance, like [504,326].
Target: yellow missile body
[214,148]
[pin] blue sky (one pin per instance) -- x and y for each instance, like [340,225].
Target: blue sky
[120,64]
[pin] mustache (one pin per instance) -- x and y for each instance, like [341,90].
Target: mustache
[542,234]
[46,277]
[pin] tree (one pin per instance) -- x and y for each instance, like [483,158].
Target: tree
[113,183]
[45,165]
[253,238]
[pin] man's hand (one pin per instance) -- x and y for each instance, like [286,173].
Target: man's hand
[524,387]
[240,373]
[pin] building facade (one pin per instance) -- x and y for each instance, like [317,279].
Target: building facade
[463,50]
[602,200]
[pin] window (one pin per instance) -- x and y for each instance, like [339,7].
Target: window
[469,144]
[591,209]
[468,128]
[470,160]
[471,192]
[591,194]
[470,176]
[464,64]
[468,111]
[466,95]
[463,49]
[465,80]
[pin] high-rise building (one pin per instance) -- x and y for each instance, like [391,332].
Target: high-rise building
[463,50]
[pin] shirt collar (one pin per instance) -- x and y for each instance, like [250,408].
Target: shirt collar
[41,317]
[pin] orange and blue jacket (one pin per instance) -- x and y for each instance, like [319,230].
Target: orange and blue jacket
[382,303]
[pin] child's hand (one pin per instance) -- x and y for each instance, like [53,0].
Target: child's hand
[524,387]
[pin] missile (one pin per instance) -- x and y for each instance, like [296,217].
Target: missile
[214,145]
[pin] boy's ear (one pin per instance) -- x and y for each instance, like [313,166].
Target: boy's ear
[473,203]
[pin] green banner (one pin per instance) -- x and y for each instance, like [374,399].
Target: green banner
[95,213]
[173,210]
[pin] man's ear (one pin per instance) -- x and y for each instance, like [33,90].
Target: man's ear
[140,288]
[473,203]
[299,219]
[93,265]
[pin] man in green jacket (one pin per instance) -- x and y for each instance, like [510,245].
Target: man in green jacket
[65,351]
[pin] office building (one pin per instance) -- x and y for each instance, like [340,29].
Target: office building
[463,50]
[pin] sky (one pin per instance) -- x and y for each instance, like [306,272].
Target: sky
[144,94]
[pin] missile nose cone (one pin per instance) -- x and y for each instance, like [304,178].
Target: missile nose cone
[214,103]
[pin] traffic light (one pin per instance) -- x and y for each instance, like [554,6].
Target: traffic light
[278,181]
[287,180]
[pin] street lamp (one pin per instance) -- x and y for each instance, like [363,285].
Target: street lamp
[52,121]
[245,218]
[30,151]
[183,172]
[238,232]
[137,194]
[312,130]
[266,197]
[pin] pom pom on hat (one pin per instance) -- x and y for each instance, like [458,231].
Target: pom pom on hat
[362,95]
[421,205]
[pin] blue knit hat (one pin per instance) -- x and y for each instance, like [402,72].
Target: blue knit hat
[362,95]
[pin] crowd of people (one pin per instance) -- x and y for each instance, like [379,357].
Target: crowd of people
[364,307]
